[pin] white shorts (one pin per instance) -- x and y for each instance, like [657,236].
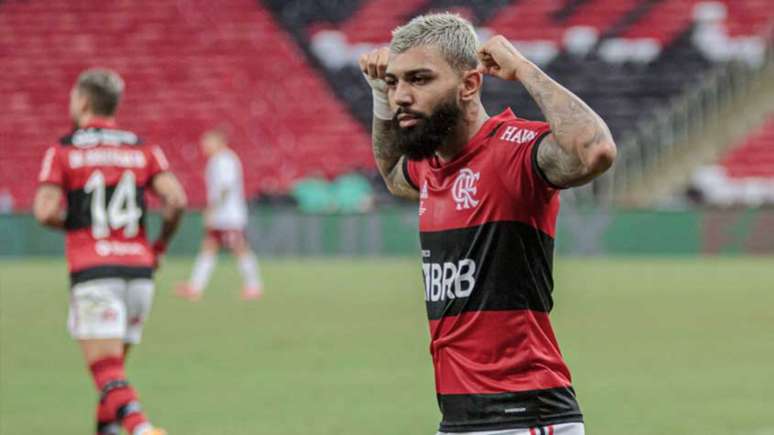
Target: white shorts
[558,429]
[110,308]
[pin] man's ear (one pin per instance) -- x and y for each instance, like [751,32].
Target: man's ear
[81,103]
[471,84]
[85,103]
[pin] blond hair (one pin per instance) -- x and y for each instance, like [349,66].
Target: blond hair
[453,35]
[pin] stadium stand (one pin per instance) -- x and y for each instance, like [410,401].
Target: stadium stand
[283,72]
[188,66]
[754,157]
[629,60]
[376,18]
[621,91]
[745,174]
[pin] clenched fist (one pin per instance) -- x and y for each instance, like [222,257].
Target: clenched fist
[374,65]
[501,59]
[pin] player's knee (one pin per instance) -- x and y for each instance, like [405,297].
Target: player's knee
[95,350]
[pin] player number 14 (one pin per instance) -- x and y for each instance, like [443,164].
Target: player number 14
[120,212]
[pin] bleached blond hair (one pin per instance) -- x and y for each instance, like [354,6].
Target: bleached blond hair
[453,35]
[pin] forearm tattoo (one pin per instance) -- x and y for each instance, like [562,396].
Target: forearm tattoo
[574,126]
[388,159]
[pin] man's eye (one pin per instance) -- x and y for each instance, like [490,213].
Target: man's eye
[390,82]
[419,80]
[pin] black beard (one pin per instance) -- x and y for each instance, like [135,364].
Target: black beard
[423,139]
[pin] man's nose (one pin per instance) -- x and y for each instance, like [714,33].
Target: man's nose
[403,95]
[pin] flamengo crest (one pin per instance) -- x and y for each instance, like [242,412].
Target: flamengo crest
[464,189]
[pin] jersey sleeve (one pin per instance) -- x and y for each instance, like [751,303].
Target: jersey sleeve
[157,161]
[411,172]
[519,157]
[52,169]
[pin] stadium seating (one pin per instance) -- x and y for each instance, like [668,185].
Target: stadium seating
[375,18]
[283,73]
[745,175]
[626,58]
[754,157]
[188,66]
[549,33]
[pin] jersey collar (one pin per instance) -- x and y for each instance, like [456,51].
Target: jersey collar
[487,130]
[99,122]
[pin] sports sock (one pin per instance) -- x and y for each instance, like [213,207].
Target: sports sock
[141,428]
[106,423]
[248,267]
[117,397]
[203,266]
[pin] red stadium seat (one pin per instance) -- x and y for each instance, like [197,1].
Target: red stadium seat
[377,18]
[754,156]
[186,69]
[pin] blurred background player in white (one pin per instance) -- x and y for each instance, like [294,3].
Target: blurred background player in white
[225,220]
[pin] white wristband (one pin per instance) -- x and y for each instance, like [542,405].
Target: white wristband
[381,105]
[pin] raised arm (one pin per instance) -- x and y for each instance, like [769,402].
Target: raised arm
[580,146]
[389,160]
[46,206]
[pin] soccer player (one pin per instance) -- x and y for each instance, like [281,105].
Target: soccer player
[488,191]
[225,221]
[103,171]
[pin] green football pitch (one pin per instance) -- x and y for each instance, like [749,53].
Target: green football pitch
[656,346]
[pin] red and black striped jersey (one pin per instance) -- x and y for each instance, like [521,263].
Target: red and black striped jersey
[104,172]
[487,222]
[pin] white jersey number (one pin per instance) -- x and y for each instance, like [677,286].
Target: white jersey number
[121,212]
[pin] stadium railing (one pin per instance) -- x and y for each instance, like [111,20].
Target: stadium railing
[657,136]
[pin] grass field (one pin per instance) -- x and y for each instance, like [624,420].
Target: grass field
[657,346]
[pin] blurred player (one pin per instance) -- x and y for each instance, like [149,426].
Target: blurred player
[488,191]
[225,221]
[103,173]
